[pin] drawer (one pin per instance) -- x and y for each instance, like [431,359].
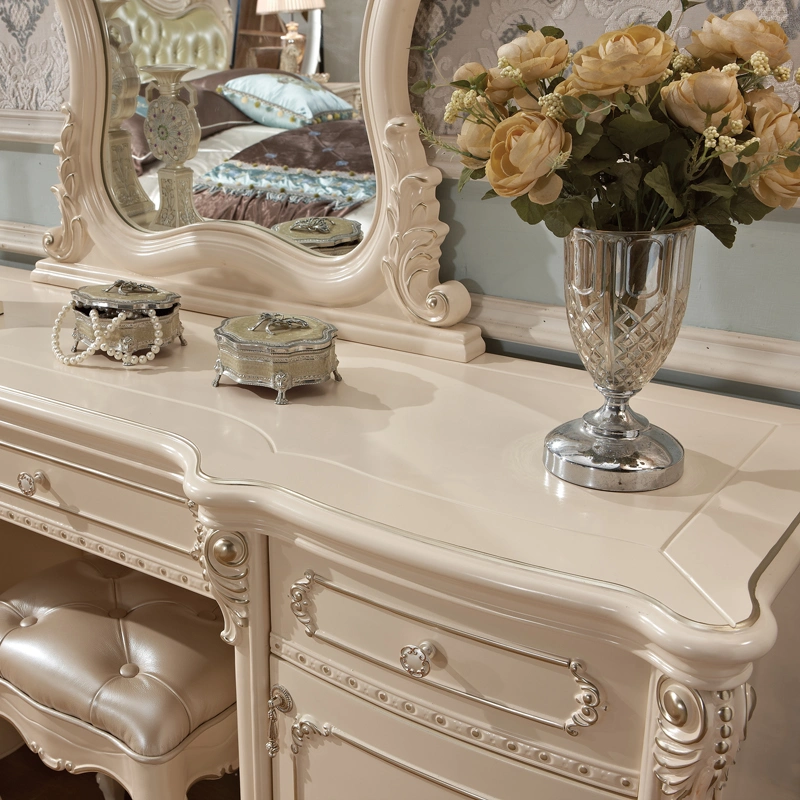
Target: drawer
[345,747]
[103,505]
[531,692]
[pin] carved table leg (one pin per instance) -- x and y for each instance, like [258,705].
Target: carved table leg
[697,737]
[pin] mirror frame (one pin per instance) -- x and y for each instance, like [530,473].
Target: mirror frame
[385,292]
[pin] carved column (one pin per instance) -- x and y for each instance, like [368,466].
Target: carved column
[697,737]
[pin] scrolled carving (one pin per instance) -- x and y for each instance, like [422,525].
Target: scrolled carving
[589,700]
[298,594]
[411,267]
[57,764]
[224,560]
[699,734]
[303,728]
[69,242]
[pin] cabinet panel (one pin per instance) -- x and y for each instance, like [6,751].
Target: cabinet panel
[346,747]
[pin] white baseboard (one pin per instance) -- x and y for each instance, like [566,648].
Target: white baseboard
[39,127]
[730,356]
[20,237]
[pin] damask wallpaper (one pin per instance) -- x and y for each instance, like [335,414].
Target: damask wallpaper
[472,30]
[34,72]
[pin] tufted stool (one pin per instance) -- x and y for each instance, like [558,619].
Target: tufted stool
[104,669]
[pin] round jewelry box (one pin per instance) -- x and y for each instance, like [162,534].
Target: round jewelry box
[276,351]
[121,320]
[330,236]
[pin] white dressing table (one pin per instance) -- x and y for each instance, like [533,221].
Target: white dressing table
[579,644]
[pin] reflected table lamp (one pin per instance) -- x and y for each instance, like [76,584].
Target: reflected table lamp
[298,52]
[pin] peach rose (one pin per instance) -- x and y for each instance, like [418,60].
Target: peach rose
[722,40]
[525,150]
[636,56]
[704,98]
[475,138]
[469,71]
[777,127]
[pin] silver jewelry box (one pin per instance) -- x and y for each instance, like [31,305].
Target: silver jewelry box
[151,319]
[276,351]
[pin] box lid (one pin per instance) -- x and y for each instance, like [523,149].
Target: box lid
[273,332]
[124,295]
[321,233]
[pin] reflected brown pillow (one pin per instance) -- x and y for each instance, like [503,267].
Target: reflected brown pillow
[214,113]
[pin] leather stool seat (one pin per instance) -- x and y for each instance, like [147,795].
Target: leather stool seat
[120,653]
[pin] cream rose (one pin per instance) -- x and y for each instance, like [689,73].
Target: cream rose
[469,71]
[525,150]
[636,56]
[475,138]
[722,40]
[704,98]
[536,56]
[777,127]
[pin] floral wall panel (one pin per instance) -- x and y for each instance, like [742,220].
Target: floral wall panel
[472,30]
[34,71]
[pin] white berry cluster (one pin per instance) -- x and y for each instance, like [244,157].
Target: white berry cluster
[102,337]
[759,61]
[553,106]
[736,126]
[797,76]
[682,63]
[665,75]
[461,100]
[730,69]
[782,74]
[508,70]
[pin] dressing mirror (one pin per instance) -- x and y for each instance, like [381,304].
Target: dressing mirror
[385,292]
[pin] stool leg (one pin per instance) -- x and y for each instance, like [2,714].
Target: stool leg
[162,781]
[110,788]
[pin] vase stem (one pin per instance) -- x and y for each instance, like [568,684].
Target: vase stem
[615,418]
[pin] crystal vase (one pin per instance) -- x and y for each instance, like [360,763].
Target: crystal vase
[626,294]
[173,133]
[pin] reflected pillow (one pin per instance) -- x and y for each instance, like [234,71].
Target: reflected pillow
[281,100]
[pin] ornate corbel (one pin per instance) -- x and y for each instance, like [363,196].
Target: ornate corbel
[69,242]
[411,266]
[303,728]
[224,556]
[698,737]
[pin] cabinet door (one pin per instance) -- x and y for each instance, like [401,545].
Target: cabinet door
[333,745]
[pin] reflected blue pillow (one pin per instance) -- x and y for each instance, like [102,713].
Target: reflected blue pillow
[285,101]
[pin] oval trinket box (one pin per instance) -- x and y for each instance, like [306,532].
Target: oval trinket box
[276,351]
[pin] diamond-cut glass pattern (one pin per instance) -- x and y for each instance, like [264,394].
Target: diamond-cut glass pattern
[626,308]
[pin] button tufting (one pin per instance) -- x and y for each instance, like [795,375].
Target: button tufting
[129,670]
[117,613]
[26,622]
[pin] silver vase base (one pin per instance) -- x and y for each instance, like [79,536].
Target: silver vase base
[651,460]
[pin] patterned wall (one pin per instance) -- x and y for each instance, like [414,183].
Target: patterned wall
[472,30]
[34,72]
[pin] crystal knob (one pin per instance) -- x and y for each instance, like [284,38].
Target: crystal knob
[416,659]
[27,483]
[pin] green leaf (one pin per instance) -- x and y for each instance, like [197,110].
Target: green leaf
[621,100]
[525,28]
[665,22]
[687,4]
[604,150]
[747,208]
[716,213]
[630,134]
[658,180]
[640,112]
[529,212]
[418,47]
[725,233]
[720,189]
[630,177]
[436,39]
[420,87]
[551,30]
[583,142]
[461,84]
[590,101]
[591,166]
[572,105]
[580,124]
[466,175]
[738,173]
[751,149]
[723,123]
[490,194]
[791,163]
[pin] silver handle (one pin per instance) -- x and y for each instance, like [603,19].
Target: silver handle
[416,659]
[279,700]
[27,483]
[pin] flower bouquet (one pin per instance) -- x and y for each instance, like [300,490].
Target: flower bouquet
[623,149]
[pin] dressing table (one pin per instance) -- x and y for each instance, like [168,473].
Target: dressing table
[417,607]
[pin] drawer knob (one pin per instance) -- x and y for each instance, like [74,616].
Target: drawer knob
[416,659]
[27,483]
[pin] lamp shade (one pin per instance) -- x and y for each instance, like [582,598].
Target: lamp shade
[276,6]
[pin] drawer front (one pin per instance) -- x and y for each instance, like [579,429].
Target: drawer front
[528,691]
[106,508]
[332,745]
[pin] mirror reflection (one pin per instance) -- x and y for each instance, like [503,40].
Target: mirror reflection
[189,139]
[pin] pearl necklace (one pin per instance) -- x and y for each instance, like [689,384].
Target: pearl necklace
[103,335]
